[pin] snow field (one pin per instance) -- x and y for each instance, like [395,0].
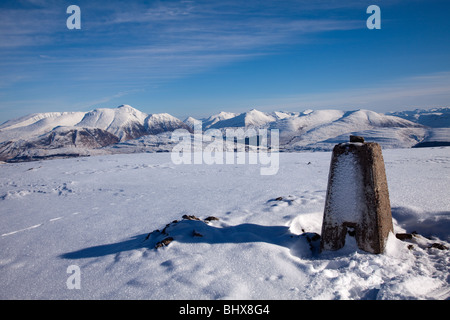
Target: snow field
[96,213]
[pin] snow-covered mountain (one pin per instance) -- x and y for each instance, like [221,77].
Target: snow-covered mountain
[190,122]
[438,122]
[61,142]
[34,125]
[77,133]
[322,129]
[435,118]
[126,130]
[125,122]
[212,120]
[163,122]
[252,118]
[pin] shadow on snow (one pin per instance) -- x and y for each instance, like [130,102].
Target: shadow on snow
[197,231]
[305,245]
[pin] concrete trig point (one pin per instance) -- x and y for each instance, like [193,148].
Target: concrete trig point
[357,201]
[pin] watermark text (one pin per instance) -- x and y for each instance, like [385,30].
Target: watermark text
[234,146]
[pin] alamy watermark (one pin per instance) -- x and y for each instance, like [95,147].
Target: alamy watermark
[74,280]
[374,21]
[74,20]
[227,146]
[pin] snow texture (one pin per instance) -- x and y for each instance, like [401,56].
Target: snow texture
[101,214]
[348,190]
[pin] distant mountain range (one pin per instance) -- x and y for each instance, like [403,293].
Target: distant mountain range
[126,130]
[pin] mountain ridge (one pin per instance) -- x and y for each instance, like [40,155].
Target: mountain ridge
[126,129]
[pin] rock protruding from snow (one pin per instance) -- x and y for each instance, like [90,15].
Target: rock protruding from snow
[357,202]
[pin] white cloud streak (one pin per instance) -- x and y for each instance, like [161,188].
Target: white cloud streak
[176,34]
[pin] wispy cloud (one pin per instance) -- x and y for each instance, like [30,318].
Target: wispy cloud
[126,47]
[159,38]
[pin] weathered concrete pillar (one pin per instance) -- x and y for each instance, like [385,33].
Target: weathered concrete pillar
[357,202]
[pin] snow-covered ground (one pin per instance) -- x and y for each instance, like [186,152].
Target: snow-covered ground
[96,214]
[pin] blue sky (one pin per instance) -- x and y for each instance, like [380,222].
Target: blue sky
[196,58]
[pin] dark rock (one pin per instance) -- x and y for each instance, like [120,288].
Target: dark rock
[313,240]
[164,242]
[312,237]
[211,218]
[151,233]
[49,157]
[190,217]
[279,199]
[168,225]
[356,139]
[404,236]
[196,234]
[438,246]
